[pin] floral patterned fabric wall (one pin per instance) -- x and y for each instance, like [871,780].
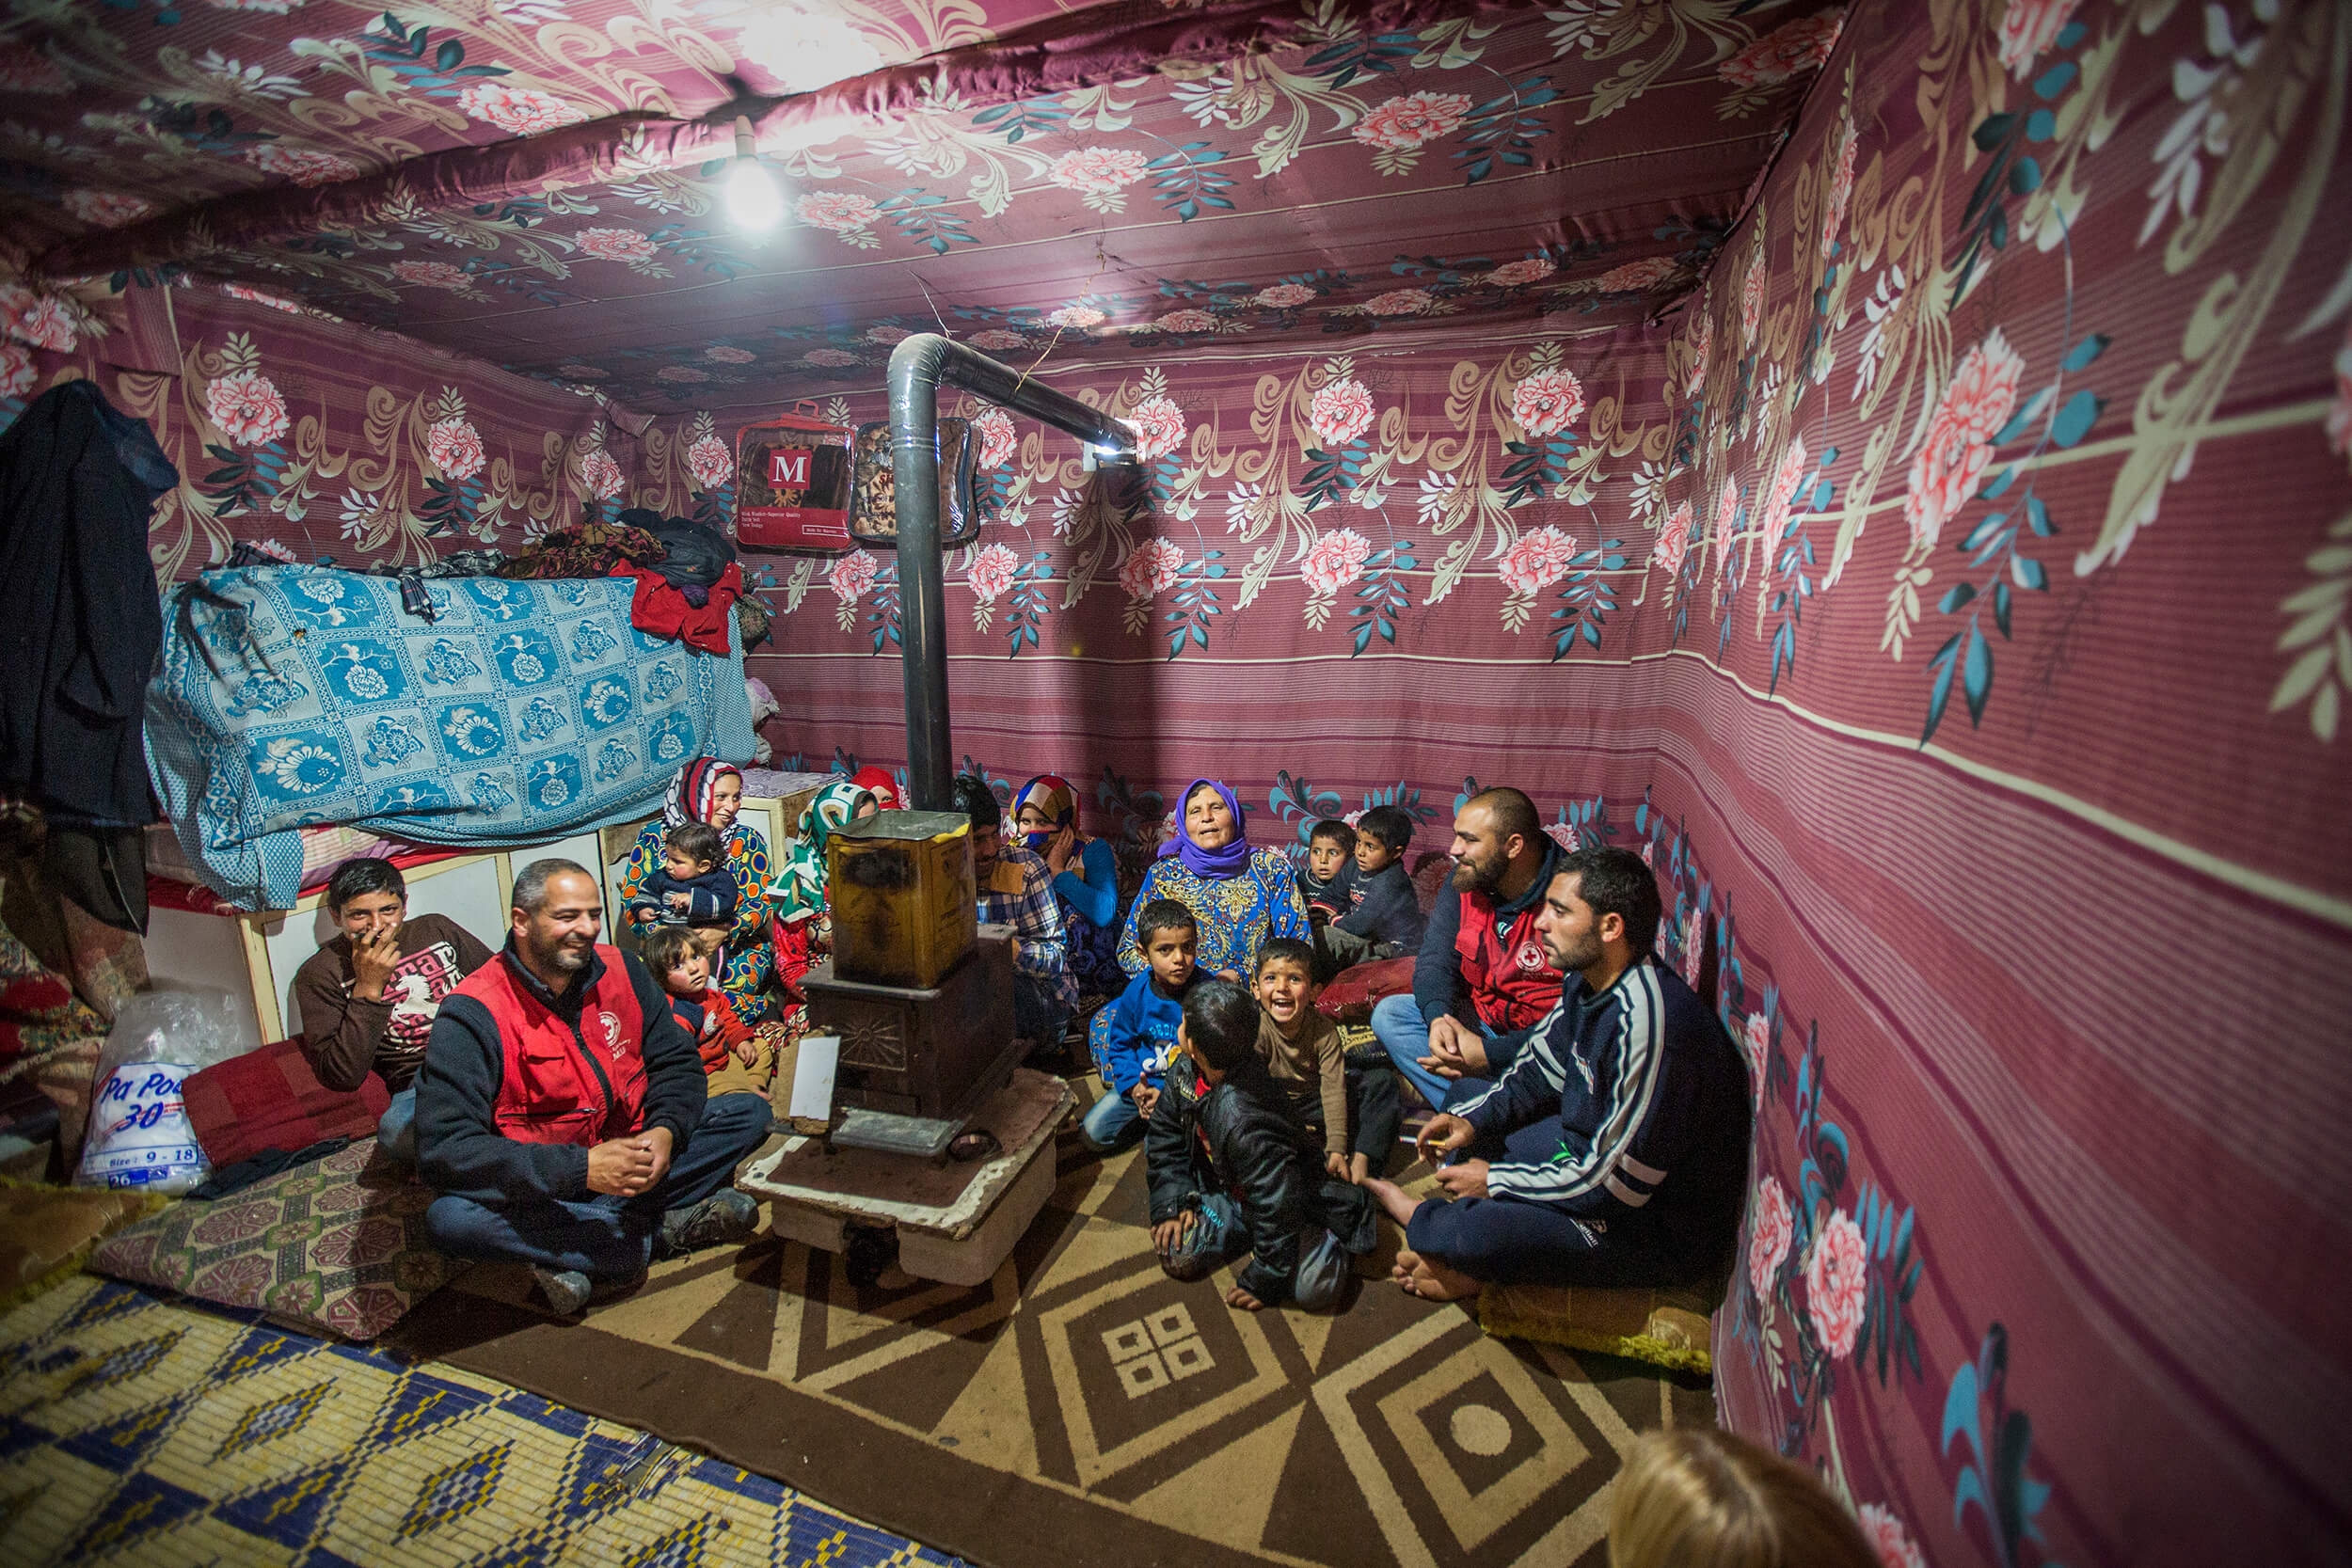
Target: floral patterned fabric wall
[324,438]
[1951,603]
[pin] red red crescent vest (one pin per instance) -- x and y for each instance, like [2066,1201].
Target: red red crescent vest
[563,1085]
[1510,983]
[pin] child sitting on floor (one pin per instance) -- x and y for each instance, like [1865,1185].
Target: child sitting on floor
[1140,1041]
[1695,1496]
[732,1054]
[1384,917]
[1302,1053]
[695,884]
[1323,881]
[1233,1173]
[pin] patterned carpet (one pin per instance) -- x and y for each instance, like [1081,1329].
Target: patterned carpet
[1081,1408]
[139,1430]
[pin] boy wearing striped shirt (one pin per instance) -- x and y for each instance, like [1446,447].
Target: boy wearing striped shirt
[1613,1150]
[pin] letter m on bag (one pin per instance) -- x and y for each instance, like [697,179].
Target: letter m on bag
[787,468]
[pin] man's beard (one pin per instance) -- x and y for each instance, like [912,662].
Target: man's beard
[1480,876]
[1576,958]
[558,956]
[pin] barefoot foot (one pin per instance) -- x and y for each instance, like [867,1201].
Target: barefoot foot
[1395,1202]
[1432,1280]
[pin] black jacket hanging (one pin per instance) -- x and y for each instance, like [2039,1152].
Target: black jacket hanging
[84,623]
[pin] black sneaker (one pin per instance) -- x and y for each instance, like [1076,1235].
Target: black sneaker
[721,1218]
[567,1290]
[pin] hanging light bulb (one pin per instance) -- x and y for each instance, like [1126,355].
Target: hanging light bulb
[754,203]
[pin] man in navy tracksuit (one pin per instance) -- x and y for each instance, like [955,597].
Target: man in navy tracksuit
[1613,1150]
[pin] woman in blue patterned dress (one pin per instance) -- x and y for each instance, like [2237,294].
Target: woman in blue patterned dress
[709,790]
[1241,895]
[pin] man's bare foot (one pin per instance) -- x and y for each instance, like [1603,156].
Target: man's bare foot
[1432,1280]
[1393,1200]
[1406,1261]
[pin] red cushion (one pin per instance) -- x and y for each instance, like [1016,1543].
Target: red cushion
[1350,998]
[270,1098]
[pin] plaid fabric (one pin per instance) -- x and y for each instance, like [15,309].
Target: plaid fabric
[1039,947]
[270,1098]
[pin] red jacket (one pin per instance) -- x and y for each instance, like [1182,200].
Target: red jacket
[659,610]
[1509,981]
[562,1086]
[711,1022]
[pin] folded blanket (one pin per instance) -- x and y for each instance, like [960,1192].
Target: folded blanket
[292,696]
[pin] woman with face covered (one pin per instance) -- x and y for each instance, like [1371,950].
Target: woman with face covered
[1241,895]
[1086,881]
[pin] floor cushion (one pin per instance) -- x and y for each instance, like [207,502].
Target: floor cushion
[1666,1328]
[1351,997]
[45,1232]
[270,1098]
[338,1245]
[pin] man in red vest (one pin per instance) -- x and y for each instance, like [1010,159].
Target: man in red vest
[1482,982]
[560,1110]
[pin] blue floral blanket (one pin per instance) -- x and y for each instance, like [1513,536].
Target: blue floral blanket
[292,696]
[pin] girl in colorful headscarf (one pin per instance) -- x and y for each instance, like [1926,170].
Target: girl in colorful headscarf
[1240,895]
[709,790]
[1086,881]
[798,894]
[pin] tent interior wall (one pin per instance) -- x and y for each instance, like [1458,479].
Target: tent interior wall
[1928,548]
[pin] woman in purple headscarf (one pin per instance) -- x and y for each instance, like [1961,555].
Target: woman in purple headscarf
[1240,895]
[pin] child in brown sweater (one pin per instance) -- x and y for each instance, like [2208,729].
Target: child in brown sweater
[1305,1058]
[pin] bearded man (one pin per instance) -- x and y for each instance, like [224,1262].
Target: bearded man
[560,1110]
[1613,1150]
[1482,980]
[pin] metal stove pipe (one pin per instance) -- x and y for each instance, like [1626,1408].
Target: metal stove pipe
[919,366]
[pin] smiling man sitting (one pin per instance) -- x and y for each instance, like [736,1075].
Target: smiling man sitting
[1614,1149]
[560,1113]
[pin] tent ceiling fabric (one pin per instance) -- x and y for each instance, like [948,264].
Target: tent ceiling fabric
[528,181]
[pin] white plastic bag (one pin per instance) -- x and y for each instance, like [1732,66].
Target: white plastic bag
[139,1135]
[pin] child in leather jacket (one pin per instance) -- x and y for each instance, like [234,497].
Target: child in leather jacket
[1234,1174]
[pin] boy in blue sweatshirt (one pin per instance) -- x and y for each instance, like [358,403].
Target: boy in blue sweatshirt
[1140,1041]
[1383,917]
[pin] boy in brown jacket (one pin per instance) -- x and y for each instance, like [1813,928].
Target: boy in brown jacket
[1304,1057]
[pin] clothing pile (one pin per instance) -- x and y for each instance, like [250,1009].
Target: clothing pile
[590,550]
[689,593]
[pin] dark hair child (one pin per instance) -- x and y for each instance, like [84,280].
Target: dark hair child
[1353,1110]
[1139,1044]
[1233,1173]
[693,886]
[1323,880]
[1383,918]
